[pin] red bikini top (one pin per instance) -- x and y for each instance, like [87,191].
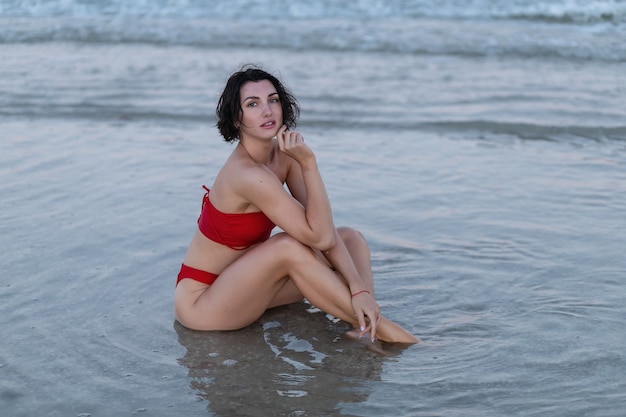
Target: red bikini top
[236,230]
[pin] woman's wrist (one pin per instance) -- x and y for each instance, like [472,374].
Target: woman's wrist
[359,292]
[308,164]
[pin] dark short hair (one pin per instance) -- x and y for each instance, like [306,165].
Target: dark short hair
[229,111]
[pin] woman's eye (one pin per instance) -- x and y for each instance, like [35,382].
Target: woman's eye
[274,100]
[252,104]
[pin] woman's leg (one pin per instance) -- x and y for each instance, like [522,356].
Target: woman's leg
[249,286]
[360,253]
[288,294]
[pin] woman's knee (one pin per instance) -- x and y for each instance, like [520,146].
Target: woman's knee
[348,234]
[290,249]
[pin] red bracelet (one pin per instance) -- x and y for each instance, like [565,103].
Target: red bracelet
[360,292]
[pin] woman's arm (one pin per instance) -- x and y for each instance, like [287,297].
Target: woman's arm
[362,291]
[317,208]
[308,219]
[339,257]
[336,254]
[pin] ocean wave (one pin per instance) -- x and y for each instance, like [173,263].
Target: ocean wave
[475,128]
[571,11]
[400,36]
[528,131]
[556,11]
[112,113]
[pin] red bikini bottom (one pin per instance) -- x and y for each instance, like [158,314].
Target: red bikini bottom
[196,274]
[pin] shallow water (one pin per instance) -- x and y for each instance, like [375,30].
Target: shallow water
[489,179]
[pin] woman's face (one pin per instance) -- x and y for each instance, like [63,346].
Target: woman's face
[261,110]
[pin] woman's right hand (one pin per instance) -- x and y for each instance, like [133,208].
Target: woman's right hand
[366,307]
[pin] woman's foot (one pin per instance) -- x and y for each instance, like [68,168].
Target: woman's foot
[375,346]
[388,331]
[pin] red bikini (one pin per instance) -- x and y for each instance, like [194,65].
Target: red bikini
[237,231]
[199,275]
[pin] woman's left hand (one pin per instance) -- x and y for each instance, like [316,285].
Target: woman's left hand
[368,313]
[292,143]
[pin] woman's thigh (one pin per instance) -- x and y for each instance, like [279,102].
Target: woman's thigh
[245,289]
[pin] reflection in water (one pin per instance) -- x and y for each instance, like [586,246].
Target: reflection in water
[291,362]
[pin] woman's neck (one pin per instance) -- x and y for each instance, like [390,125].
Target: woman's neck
[260,152]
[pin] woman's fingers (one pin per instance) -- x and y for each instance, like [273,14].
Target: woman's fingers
[292,139]
[373,323]
[370,311]
[292,143]
[362,325]
[280,137]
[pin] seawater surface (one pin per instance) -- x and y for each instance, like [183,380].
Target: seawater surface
[481,149]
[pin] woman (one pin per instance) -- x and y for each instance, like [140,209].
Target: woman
[313,259]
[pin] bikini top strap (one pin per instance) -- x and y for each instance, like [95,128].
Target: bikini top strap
[205,199]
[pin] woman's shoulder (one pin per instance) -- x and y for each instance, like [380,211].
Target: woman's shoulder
[245,174]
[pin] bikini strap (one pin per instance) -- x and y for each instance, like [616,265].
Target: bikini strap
[205,199]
